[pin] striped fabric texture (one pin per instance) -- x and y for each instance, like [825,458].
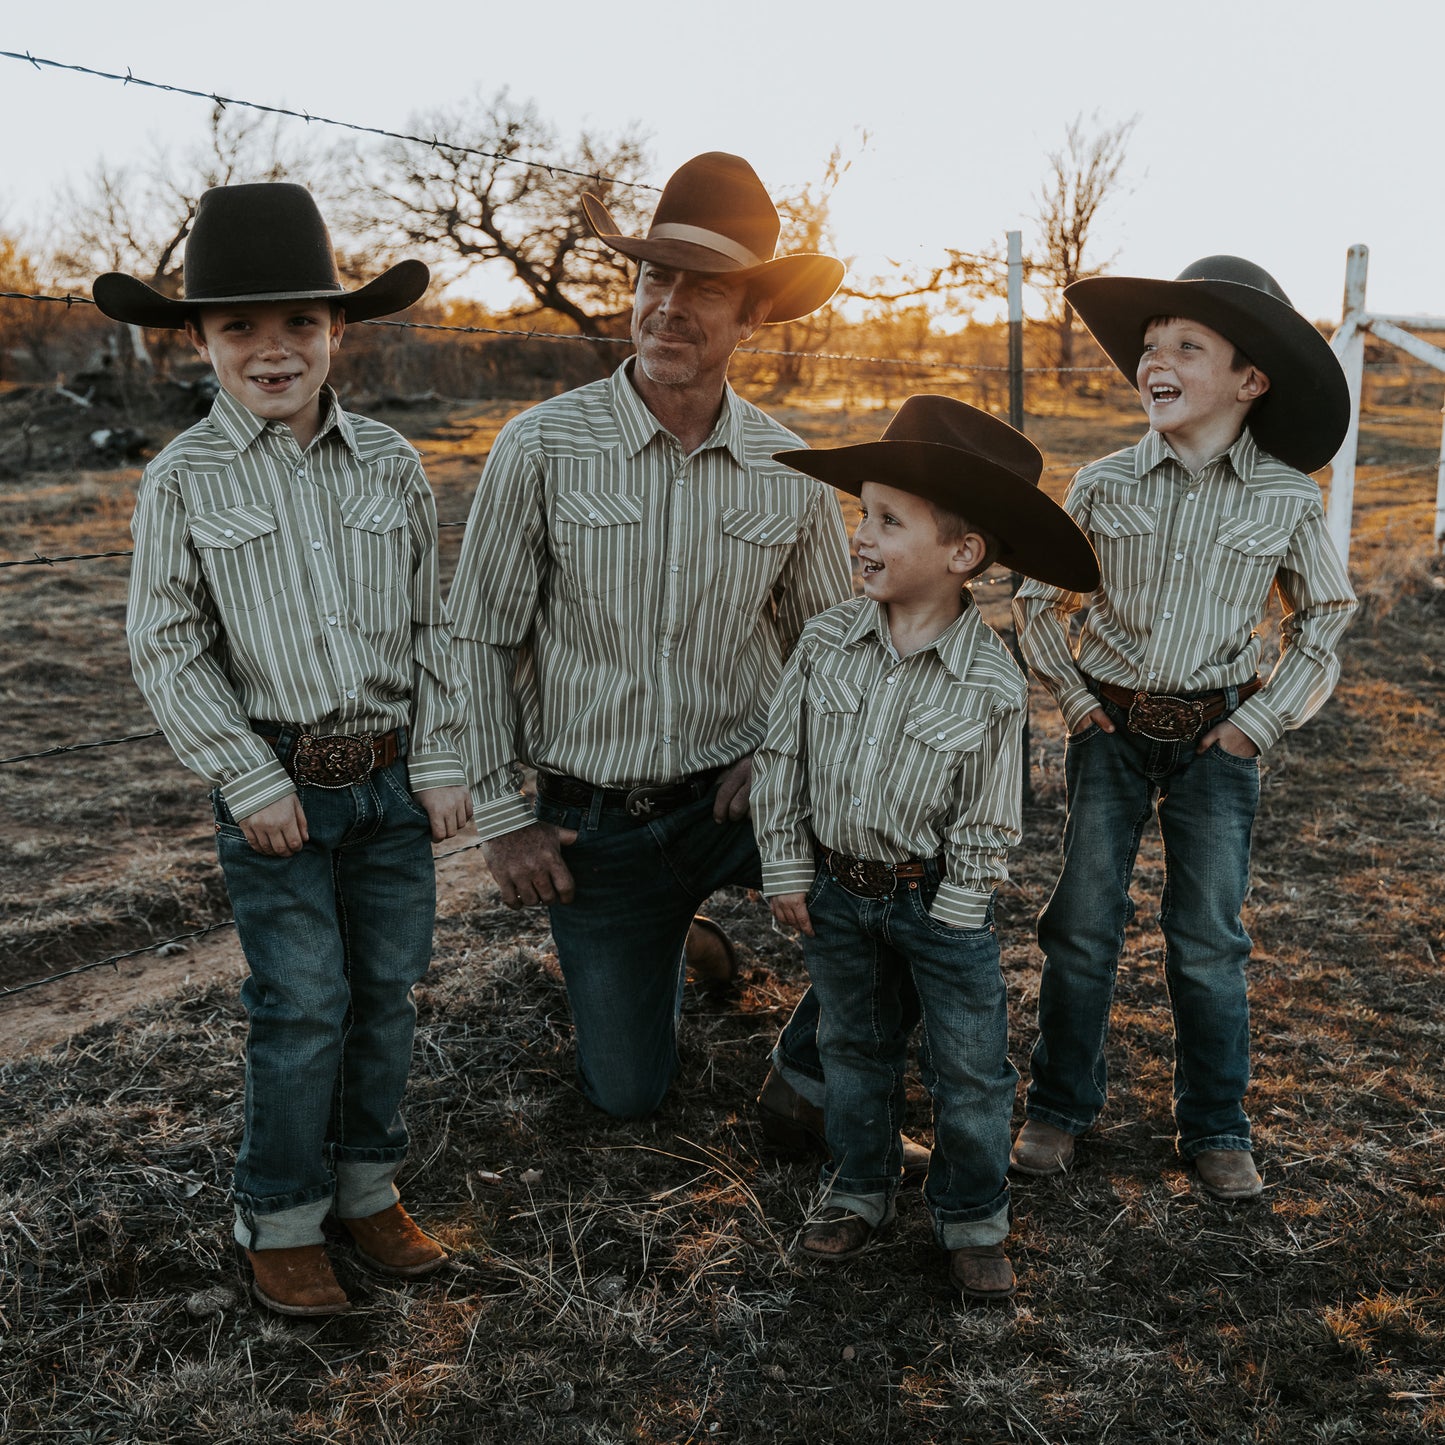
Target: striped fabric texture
[1188,562]
[892,759]
[291,587]
[622,610]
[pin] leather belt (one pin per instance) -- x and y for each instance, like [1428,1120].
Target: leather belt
[646,800]
[342,760]
[1169,718]
[869,877]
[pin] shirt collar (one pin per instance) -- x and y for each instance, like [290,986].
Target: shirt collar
[954,646]
[241,426]
[1154,449]
[638,426]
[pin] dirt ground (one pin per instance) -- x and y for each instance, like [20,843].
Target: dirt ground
[633,1282]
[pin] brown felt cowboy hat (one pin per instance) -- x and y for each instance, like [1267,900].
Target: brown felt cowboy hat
[973,464]
[1302,418]
[264,242]
[715,217]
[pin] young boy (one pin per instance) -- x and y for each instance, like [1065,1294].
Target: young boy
[286,630]
[1194,527]
[886,796]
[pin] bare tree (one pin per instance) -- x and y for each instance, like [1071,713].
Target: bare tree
[1083,174]
[505,194]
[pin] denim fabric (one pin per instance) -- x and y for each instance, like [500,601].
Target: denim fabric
[620,940]
[866,957]
[1206,806]
[335,939]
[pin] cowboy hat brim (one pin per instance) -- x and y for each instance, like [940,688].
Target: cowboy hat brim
[1036,535]
[1303,416]
[124,298]
[795,286]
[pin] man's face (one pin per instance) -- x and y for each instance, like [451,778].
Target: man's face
[687,324]
[272,356]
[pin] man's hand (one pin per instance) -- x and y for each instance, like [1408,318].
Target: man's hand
[733,792]
[278,830]
[527,864]
[449,808]
[1097,718]
[791,910]
[1232,739]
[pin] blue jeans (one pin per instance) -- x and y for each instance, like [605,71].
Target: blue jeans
[335,938]
[1206,805]
[620,941]
[866,958]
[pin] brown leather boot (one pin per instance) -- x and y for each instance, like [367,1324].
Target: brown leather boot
[792,1124]
[1041,1149]
[391,1242]
[982,1272]
[1228,1174]
[711,958]
[296,1281]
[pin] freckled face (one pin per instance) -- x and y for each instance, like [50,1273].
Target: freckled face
[1187,380]
[272,356]
[897,544]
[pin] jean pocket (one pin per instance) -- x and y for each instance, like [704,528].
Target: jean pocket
[225,822]
[1232,760]
[393,782]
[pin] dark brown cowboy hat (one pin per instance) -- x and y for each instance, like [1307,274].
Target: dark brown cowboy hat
[973,464]
[264,242]
[1302,418]
[715,217]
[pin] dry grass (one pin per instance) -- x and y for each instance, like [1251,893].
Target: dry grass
[632,1282]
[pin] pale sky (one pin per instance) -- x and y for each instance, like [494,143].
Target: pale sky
[1281,130]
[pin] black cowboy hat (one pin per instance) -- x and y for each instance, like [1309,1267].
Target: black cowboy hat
[264,242]
[715,217]
[1303,416]
[973,464]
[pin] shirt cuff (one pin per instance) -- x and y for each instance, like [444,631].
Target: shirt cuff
[441,769]
[1076,705]
[495,816]
[257,789]
[788,875]
[1253,719]
[960,907]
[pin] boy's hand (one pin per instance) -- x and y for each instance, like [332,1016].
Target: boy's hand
[527,864]
[734,790]
[791,910]
[1232,739]
[1098,718]
[450,810]
[278,830]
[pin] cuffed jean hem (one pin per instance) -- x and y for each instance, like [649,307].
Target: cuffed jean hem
[1192,1148]
[958,1229]
[282,1228]
[876,1208]
[365,1187]
[808,1088]
[1076,1127]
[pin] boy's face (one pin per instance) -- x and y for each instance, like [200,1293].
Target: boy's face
[1188,383]
[897,543]
[272,356]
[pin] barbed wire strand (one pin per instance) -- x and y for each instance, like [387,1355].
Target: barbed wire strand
[82,747]
[431,142]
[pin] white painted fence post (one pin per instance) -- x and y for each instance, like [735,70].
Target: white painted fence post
[1349,345]
[1440,492]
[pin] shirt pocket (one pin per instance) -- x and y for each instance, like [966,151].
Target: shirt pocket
[1123,536]
[241,554]
[833,704]
[376,536]
[1244,560]
[755,547]
[598,540]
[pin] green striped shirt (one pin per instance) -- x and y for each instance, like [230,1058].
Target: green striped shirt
[1188,562]
[290,586]
[894,758]
[622,609]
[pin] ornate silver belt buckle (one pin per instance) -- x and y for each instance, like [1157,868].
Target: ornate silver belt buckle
[335,762]
[863,876]
[1166,719]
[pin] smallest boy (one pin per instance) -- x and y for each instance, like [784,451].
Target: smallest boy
[886,797]
[1195,527]
[286,629]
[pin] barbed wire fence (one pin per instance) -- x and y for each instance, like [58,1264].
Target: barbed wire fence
[72,300]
